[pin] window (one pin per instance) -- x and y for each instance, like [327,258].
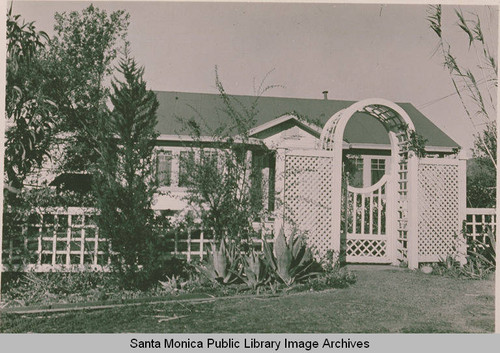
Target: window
[185,161]
[164,168]
[365,170]
[209,158]
[377,169]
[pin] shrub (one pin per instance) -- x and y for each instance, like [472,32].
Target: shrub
[291,260]
[339,278]
[222,264]
[481,256]
[447,266]
[333,275]
[480,260]
[255,272]
[47,287]
[124,177]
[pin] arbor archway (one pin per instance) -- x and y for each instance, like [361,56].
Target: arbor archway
[367,240]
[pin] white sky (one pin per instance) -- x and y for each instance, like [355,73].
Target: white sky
[353,51]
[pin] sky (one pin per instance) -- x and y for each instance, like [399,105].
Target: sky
[354,51]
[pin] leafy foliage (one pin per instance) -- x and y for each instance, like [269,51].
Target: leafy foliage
[480,260]
[481,173]
[80,62]
[476,87]
[125,179]
[333,274]
[223,188]
[477,95]
[29,111]
[482,253]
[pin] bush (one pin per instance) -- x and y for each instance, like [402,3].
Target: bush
[480,260]
[340,278]
[70,287]
[291,260]
[223,263]
[483,252]
[255,271]
[48,287]
[333,275]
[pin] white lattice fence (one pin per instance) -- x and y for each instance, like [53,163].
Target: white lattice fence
[478,221]
[56,239]
[67,239]
[308,197]
[441,205]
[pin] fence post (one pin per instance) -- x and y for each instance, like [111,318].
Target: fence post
[202,243]
[189,245]
[96,246]
[68,240]
[40,234]
[82,241]
[176,241]
[54,240]
[462,206]
[412,211]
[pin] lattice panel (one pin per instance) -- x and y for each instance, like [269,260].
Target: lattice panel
[308,198]
[360,248]
[438,205]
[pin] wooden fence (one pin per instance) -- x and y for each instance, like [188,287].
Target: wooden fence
[56,239]
[478,221]
[68,239]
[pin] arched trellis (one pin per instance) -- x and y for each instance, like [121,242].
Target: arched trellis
[397,124]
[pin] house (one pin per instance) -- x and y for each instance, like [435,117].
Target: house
[282,124]
[399,208]
[395,207]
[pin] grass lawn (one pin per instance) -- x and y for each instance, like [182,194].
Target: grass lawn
[381,301]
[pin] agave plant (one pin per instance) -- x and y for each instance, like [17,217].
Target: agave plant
[291,259]
[255,271]
[222,264]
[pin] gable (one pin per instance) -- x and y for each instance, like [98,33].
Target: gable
[290,133]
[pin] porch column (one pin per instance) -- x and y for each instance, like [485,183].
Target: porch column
[265,183]
[248,168]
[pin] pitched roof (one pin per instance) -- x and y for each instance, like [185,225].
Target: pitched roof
[361,128]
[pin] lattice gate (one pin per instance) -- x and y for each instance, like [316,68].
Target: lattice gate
[364,223]
[308,192]
[441,208]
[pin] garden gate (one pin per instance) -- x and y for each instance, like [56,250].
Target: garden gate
[411,214]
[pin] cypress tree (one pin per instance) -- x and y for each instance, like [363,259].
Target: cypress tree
[125,180]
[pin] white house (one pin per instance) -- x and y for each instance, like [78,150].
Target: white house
[282,124]
[398,207]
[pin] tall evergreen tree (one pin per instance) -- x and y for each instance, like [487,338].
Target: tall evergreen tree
[125,181]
